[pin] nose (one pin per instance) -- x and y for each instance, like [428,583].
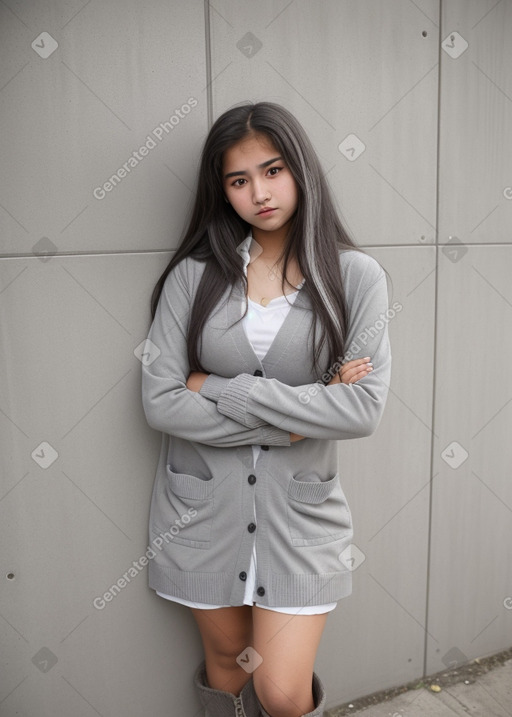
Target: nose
[260,192]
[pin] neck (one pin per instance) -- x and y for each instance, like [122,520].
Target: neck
[272,243]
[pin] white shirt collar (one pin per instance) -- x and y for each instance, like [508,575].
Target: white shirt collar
[246,250]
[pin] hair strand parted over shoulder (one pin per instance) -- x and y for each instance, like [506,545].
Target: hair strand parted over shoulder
[215,230]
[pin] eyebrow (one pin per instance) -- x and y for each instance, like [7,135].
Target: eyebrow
[260,166]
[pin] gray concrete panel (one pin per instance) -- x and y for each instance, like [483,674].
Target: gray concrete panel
[78,462]
[364,87]
[83,90]
[470,569]
[475,149]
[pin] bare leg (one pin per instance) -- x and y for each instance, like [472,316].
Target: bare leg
[288,646]
[225,633]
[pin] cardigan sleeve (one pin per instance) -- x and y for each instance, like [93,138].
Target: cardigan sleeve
[168,404]
[339,411]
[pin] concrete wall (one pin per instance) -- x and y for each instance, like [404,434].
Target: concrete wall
[409,105]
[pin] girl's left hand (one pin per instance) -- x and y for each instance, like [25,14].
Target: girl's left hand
[353,370]
[196,380]
[350,372]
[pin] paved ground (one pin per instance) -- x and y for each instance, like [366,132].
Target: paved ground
[486,695]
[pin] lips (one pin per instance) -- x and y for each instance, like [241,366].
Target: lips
[267,210]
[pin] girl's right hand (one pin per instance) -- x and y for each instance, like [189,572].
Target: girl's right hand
[350,372]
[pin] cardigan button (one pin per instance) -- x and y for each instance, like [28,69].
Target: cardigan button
[264,448]
[258,372]
[251,527]
[261,591]
[252,479]
[242,575]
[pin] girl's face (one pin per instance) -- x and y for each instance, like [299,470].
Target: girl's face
[259,185]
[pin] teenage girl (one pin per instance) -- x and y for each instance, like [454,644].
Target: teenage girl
[248,514]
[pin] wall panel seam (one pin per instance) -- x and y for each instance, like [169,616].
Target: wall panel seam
[434,347]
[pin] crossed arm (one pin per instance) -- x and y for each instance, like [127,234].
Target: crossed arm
[248,409]
[349,373]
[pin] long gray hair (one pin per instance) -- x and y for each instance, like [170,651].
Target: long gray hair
[215,230]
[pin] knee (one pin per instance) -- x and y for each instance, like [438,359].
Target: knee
[225,653]
[282,697]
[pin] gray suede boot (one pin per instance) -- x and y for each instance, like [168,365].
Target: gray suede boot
[224,704]
[318,698]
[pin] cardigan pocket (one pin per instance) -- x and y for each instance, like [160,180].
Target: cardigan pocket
[188,511]
[318,512]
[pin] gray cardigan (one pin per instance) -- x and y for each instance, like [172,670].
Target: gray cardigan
[202,527]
